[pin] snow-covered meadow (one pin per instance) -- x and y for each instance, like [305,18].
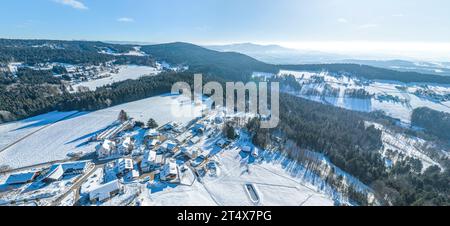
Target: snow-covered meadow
[125,72]
[71,135]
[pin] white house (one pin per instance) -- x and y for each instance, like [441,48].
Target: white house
[151,161]
[169,171]
[105,191]
[106,149]
[124,165]
[127,146]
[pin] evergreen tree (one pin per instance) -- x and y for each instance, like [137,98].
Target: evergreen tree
[152,124]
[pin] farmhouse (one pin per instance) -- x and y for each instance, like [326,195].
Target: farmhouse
[105,191]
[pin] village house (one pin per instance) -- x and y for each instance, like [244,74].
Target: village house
[153,143]
[169,172]
[151,161]
[151,134]
[127,146]
[169,147]
[194,140]
[105,191]
[124,166]
[106,149]
[183,137]
[191,153]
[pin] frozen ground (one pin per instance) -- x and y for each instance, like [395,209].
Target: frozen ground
[125,72]
[71,135]
[12,132]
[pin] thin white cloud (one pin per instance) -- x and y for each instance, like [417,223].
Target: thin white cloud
[125,19]
[72,3]
[342,20]
[368,26]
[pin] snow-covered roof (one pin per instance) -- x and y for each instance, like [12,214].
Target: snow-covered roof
[124,164]
[150,156]
[108,144]
[56,172]
[170,168]
[21,178]
[126,142]
[152,133]
[74,166]
[194,140]
[153,142]
[169,145]
[103,191]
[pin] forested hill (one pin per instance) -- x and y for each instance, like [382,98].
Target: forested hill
[232,65]
[370,72]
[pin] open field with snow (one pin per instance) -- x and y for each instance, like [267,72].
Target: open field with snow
[12,132]
[125,72]
[71,135]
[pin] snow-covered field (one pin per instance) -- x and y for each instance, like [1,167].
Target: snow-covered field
[402,91]
[125,72]
[12,132]
[71,135]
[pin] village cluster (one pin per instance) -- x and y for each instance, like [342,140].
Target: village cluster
[129,152]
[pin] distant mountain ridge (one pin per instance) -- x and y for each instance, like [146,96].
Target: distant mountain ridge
[276,54]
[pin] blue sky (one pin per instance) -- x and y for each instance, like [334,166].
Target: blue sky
[294,23]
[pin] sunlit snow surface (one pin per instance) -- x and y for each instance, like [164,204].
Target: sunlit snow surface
[125,72]
[71,135]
